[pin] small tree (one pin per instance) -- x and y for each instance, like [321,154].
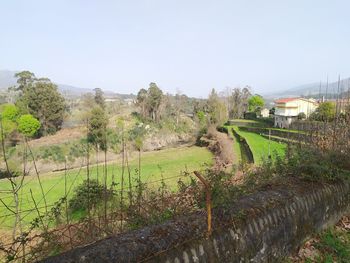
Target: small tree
[255,102]
[10,112]
[217,110]
[97,128]
[99,98]
[28,125]
[324,112]
[154,100]
[142,101]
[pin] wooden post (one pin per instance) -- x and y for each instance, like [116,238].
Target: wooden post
[208,201]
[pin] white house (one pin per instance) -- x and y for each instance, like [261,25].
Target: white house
[288,109]
[265,113]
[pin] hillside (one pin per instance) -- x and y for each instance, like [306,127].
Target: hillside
[312,89]
[7,79]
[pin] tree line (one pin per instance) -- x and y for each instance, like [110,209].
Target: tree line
[38,107]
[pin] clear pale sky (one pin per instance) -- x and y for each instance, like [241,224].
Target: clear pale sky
[189,45]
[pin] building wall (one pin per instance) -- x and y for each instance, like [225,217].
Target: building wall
[265,113]
[293,108]
[284,121]
[286,113]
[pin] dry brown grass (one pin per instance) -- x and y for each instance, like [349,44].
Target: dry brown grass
[62,136]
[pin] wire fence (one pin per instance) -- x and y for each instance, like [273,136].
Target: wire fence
[29,222]
[35,228]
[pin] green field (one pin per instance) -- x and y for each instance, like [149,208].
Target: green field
[260,145]
[154,165]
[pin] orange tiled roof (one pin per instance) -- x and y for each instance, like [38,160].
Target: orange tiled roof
[285,100]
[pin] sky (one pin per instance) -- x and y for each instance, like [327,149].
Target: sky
[183,45]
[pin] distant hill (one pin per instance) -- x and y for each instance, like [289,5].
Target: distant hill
[313,89]
[7,79]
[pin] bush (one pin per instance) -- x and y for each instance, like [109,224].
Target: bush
[200,134]
[250,116]
[10,112]
[308,164]
[88,195]
[28,125]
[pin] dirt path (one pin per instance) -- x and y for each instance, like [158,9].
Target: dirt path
[221,145]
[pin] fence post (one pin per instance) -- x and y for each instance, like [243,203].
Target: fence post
[208,200]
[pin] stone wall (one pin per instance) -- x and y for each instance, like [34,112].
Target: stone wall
[262,227]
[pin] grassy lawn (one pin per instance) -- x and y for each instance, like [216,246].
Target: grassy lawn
[245,121]
[260,145]
[167,163]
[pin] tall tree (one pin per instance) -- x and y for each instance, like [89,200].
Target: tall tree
[24,79]
[44,102]
[154,100]
[239,102]
[179,104]
[97,128]
[216,109]
[142,102]
[99,98]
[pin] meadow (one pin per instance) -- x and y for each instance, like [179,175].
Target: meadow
[168,164]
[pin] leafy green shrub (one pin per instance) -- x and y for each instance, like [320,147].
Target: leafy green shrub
[28,125]
[305,163]
[54,153]
[314,165]
[88,195]
[9,112]
[8,127]
[250,115]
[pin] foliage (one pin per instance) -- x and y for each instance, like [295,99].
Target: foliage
[201,117]
[54,153]
[250,115]
[217,110]
[41,98]
[142,101]
[154,100]
[255,102]
[8,127]
[24,79]
[325,112]
[28,125]
[150,101]
[137,134]
[99,99]
[238,102]
[301,116]
[9,112]
[88,195]
[200,134]
[315,165]
[97,133]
